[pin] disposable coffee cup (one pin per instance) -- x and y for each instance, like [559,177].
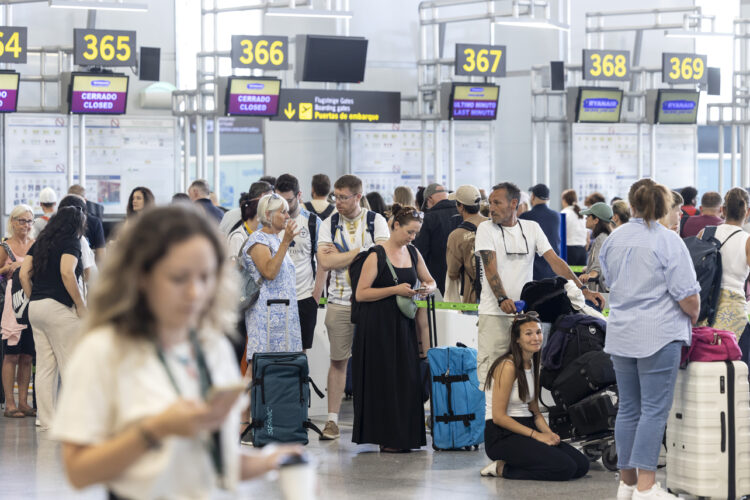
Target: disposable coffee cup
[297,478]
[520,305]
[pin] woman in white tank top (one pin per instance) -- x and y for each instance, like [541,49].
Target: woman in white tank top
[516,436]
[731,312]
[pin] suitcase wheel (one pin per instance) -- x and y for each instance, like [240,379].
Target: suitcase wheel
[609,458]
[593,453]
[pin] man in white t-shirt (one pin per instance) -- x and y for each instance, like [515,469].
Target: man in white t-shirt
[354,230]
[310,278]
[507,247]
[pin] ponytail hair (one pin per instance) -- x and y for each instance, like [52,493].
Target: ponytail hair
[570,197]
[650,201]
[736,202]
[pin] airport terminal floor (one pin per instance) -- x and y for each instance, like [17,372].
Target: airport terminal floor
[30,468]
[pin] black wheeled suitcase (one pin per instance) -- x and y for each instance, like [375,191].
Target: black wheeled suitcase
[589,373]
[594,414]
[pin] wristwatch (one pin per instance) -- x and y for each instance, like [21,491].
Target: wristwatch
[583,287]
[501,299]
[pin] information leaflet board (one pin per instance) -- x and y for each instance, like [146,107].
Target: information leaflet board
[386,156]
[605,157]
[121,153]
[330,106]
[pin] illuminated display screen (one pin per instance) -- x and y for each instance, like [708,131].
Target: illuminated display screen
[677,106]
[100,94]
[253,96]
[8,92]
[474,102]
[599,105]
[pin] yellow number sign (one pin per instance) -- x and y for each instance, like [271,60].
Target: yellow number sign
[684,68]
[480,60]
[606,64]
[264,52]
[104,47]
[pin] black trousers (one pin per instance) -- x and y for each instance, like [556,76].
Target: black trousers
[527,458]
[576,256]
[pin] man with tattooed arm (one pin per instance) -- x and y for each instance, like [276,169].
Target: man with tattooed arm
[507,247]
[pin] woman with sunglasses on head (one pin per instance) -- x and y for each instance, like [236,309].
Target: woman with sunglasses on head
[18,347]
[388,407]
[516,436]
[275,327]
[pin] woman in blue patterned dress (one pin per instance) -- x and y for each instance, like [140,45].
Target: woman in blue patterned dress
[273,328]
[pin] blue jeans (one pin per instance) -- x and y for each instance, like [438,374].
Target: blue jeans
[646,389]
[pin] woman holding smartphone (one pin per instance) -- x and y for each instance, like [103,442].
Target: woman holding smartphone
[388,407]
[139,410]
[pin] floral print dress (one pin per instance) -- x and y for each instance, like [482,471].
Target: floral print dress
[273,328]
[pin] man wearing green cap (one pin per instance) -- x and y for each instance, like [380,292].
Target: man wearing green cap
[599,221]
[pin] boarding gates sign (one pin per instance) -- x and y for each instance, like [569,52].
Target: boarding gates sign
[302,105]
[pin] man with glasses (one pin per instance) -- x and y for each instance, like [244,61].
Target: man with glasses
[507,247]
[342,236]
[440,219]
[310,278]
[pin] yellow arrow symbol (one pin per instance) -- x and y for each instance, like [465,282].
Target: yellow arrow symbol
[290,111]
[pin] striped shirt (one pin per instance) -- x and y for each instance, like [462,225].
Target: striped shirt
[648,270]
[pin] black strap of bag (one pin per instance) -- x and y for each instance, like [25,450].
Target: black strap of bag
[312,227]
[7,249]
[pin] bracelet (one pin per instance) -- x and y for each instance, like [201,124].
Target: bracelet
[151,441]
[532,433]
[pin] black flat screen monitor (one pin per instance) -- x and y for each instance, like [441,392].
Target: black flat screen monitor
[338,59]
[472,101]
[598,105]
[677,106]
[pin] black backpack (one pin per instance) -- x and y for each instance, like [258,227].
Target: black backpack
[705,252]
[548,298]
[570,337]
[476,284]
[370,221]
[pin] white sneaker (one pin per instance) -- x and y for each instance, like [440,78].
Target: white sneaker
[491,469]
[625,492]
[655,492]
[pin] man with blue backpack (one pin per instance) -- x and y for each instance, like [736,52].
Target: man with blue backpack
[342,237]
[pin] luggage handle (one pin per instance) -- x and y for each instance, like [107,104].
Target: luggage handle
[269,303]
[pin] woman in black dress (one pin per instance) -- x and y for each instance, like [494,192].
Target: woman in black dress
[388,407]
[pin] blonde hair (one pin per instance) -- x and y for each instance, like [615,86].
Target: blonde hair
[404,196]
[17,211]
[270,203]
[118,301]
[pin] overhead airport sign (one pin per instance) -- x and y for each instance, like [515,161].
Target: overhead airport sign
[683,68]
[302,105]
[13,44]
[480,60]
[103,47]
[260,52]
[606,64]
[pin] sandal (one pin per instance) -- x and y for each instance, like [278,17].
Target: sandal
[14,413]
[383,449]
[31,412]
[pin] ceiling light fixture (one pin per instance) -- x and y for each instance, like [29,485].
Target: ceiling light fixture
[327,14]
[118,5]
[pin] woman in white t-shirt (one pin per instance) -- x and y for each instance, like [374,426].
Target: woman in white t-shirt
[516,435]
[575,228]
[731,314]
[133,413]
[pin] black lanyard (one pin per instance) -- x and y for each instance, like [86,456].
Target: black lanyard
[204,377]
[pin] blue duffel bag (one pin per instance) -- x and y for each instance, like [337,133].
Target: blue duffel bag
[457,404]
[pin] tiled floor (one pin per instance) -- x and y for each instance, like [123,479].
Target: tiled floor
[30,467]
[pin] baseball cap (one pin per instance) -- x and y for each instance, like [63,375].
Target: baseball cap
[600,211]
[466,195]
[540,191]
[47,195]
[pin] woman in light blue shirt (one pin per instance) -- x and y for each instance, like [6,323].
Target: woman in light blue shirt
[653,303]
